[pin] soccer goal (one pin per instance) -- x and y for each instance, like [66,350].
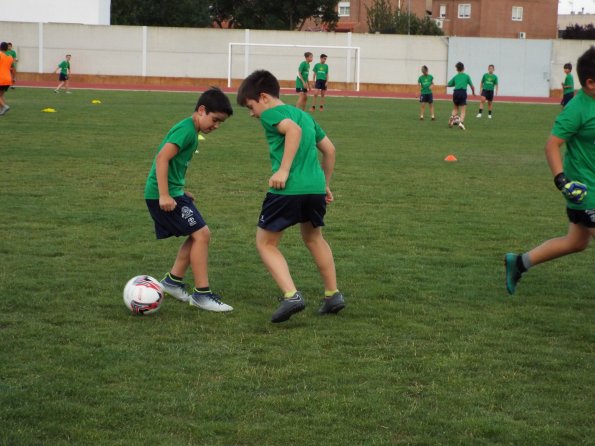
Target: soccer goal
[261,55]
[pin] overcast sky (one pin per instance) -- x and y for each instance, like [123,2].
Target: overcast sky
[567,6]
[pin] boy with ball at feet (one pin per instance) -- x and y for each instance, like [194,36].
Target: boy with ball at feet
[173,209]
[575,177]
[298,191]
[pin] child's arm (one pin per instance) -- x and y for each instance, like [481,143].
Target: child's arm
[293,135]
[167,152]
[552,154]
[573,191]
[327,148]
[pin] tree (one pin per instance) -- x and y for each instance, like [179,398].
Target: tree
[380,17]
[185,13]
[383,19]
[579,32]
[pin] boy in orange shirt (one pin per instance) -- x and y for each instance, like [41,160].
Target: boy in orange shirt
[5,76]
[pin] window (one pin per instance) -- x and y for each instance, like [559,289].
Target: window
[464,11]
[344,9]
[442,11]
[517,13]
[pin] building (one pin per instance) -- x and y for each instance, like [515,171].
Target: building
[530,19]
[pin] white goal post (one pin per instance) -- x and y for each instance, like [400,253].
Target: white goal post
[355,49]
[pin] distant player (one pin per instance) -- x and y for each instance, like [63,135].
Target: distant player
[5,78]
[299,191]
[13,70]
[425,82]
[489,88]
[575,177]
[302,81]
[320,78]
[567,85]
[460,81]
[64,77]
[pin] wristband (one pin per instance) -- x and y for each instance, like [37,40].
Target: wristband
[560,180]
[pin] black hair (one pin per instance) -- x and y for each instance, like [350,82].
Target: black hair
[3,46]
[215,101]
[568,66]
[424,68]
[585,66]
[323,55]
[460,66]
[260,81]
[491,65]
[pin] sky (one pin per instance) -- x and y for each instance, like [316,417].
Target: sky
[567,6]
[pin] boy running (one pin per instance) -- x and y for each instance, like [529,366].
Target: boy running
[298,191]
[567,85]
[459,96]
[489,88]
[575,177]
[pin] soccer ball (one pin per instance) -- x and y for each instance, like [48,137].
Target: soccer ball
[456,120]
[143,295]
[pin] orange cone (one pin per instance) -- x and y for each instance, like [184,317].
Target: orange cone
[450,158]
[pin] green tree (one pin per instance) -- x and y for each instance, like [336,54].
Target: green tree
[380,17]
[183,13]
[383,19]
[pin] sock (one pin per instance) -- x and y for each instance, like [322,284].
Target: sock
[173,278]
[480,111]
[526,261]
[490,112]
[329,293]
[204,290]
[289,294]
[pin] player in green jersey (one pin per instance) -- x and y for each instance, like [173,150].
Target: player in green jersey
[575,176]
[302,81]
[173,208]
[64,77]
[320,78]
[425,82]
[299,191]
[567,85]
[489,88]
[460,81]
[13,70]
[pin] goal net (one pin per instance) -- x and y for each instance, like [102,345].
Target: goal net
[283,61]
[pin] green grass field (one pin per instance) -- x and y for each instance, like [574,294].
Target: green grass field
[429,351]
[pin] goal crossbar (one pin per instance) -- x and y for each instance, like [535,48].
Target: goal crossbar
[356,49]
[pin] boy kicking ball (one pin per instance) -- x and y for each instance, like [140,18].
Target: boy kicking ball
[575,177]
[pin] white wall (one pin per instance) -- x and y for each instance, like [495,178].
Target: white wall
[88,12]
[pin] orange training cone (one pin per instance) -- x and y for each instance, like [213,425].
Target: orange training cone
[450,158]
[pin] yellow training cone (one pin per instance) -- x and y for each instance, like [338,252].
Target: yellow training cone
[95,101]
[48,110]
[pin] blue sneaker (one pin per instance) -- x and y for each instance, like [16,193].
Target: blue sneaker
[288,307]
[513,275]
[332,304]
[175,289]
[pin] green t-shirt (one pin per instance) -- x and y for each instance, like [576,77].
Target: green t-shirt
[13,54]
[576,125]
[489,81]
[183,135]
[426,83]
[304,69]
[64,67]
[321,70]
[306,175]
[460,81]
[568,84]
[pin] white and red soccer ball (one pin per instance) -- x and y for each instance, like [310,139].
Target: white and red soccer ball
[143,295]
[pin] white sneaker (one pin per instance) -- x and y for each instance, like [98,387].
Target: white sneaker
[209,302]
[478,115]
[461,126]
[489,116]
[177,291]
[4,110]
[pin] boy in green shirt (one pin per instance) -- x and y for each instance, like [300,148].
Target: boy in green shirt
[575,177]
[299,190]
[320,78]
[567,85]
[425,82]
[302,81]
[13,69]
[64,69]
[488,87]
[459,96]
[173,209]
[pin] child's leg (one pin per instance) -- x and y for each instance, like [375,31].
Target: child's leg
[315,100]
[463,108]
[322,98]
[577,239]
[322,254]
[432,109]
[195,252]
[267,243]
[422,109]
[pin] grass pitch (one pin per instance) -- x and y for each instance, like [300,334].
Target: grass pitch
[430,349]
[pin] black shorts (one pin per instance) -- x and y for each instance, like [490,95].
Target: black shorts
[459,97]
[183,220]
[4,87]
[488,94]
[579,217]
[428,97]
[63,77]
[282,211]
[320,84]
[301,90]
[566,98]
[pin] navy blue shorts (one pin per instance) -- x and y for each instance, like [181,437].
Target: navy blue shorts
[63,77]
[566,98]
[183,220]
[282,211]
[301,90]
[428,97]
[578,217]
[488,94]
[320,84]
[4,87]
[459,97]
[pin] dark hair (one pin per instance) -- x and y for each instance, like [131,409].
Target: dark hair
[460,66]
[9,43]
[307,54]
[260,81]
[3,46]
[568,66]
[424,68]
[323,55]
[215,101]
[585,66]
[491,65]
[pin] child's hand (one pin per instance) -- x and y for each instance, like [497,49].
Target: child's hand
[167,203]
[573,191]
[329,196]
[278,179]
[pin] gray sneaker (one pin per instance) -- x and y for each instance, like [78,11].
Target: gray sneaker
[4,110]
[288,307]
[177,290]
[210,302]
[332,304]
